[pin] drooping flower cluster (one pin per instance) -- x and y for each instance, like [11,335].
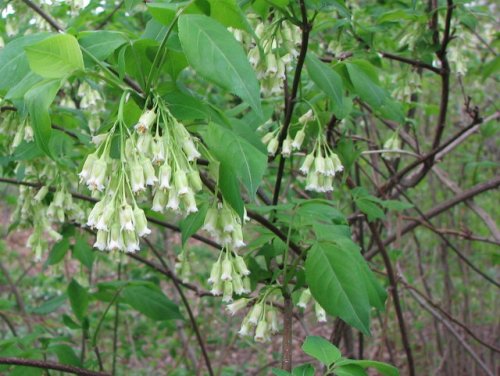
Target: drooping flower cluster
[91,102]
[18,130]
[224,225]
[320,167]
[271,139]
[305,298]
[279,44]
[119,225]
[229,275]
[261,320]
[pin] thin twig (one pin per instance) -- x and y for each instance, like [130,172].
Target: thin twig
[51,365]
[192,319]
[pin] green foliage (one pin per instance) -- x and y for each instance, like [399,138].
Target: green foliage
[55,57]
[213,52]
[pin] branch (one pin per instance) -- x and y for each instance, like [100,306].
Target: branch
[187,306]
[290,101]
[93,200]
[444,206]
[448,316]
[452,330]
[393,290]
[47,17]
[51,365]
[415,63]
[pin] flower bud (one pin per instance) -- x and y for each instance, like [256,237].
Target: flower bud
[312,182]
[42,192]
[255,313]
[211,218]
[215,272]
[247,287]
[131,243]
[144,142]
[127,218]
[237,283]
[237,305]
[217,288]
[158,149]
[87,167]
[104,221]
[95,214]
[320,312]
[227,296]
[241,266]
[189,202]
[149,172]
[319,165]
[115,241]
[261,331]
[141,223]
[189,148]
[304,298]
[306,165]
[272,318]
[99,139]
[165,174]
[237,237]
[180,181]
[298,139]
[137,178]
[306,118]
[245,328]
[101,240]
[286,150]
[195,180]
[267,137]
[272,147]
[227,268]
[159,201]
[145,121]
[173,200]
[336,163]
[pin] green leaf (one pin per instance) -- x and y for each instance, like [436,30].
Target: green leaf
[329,82]
[396,205]
[150,301]
[50,305]
[371,209]
[230,189]
[245,160]
[38,100]
[14,64]
[102,43]
[58,251]
[332,275]
[321,349]
[364,85]
[384,368]
[82,251]
[280,372]
[215,55]
[55,57]
[78,298]
[193,222]
[65,354]
[228,13]
[303,370]
[186,107]
[349,370]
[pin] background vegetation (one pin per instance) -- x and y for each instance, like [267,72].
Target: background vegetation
[403,92]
